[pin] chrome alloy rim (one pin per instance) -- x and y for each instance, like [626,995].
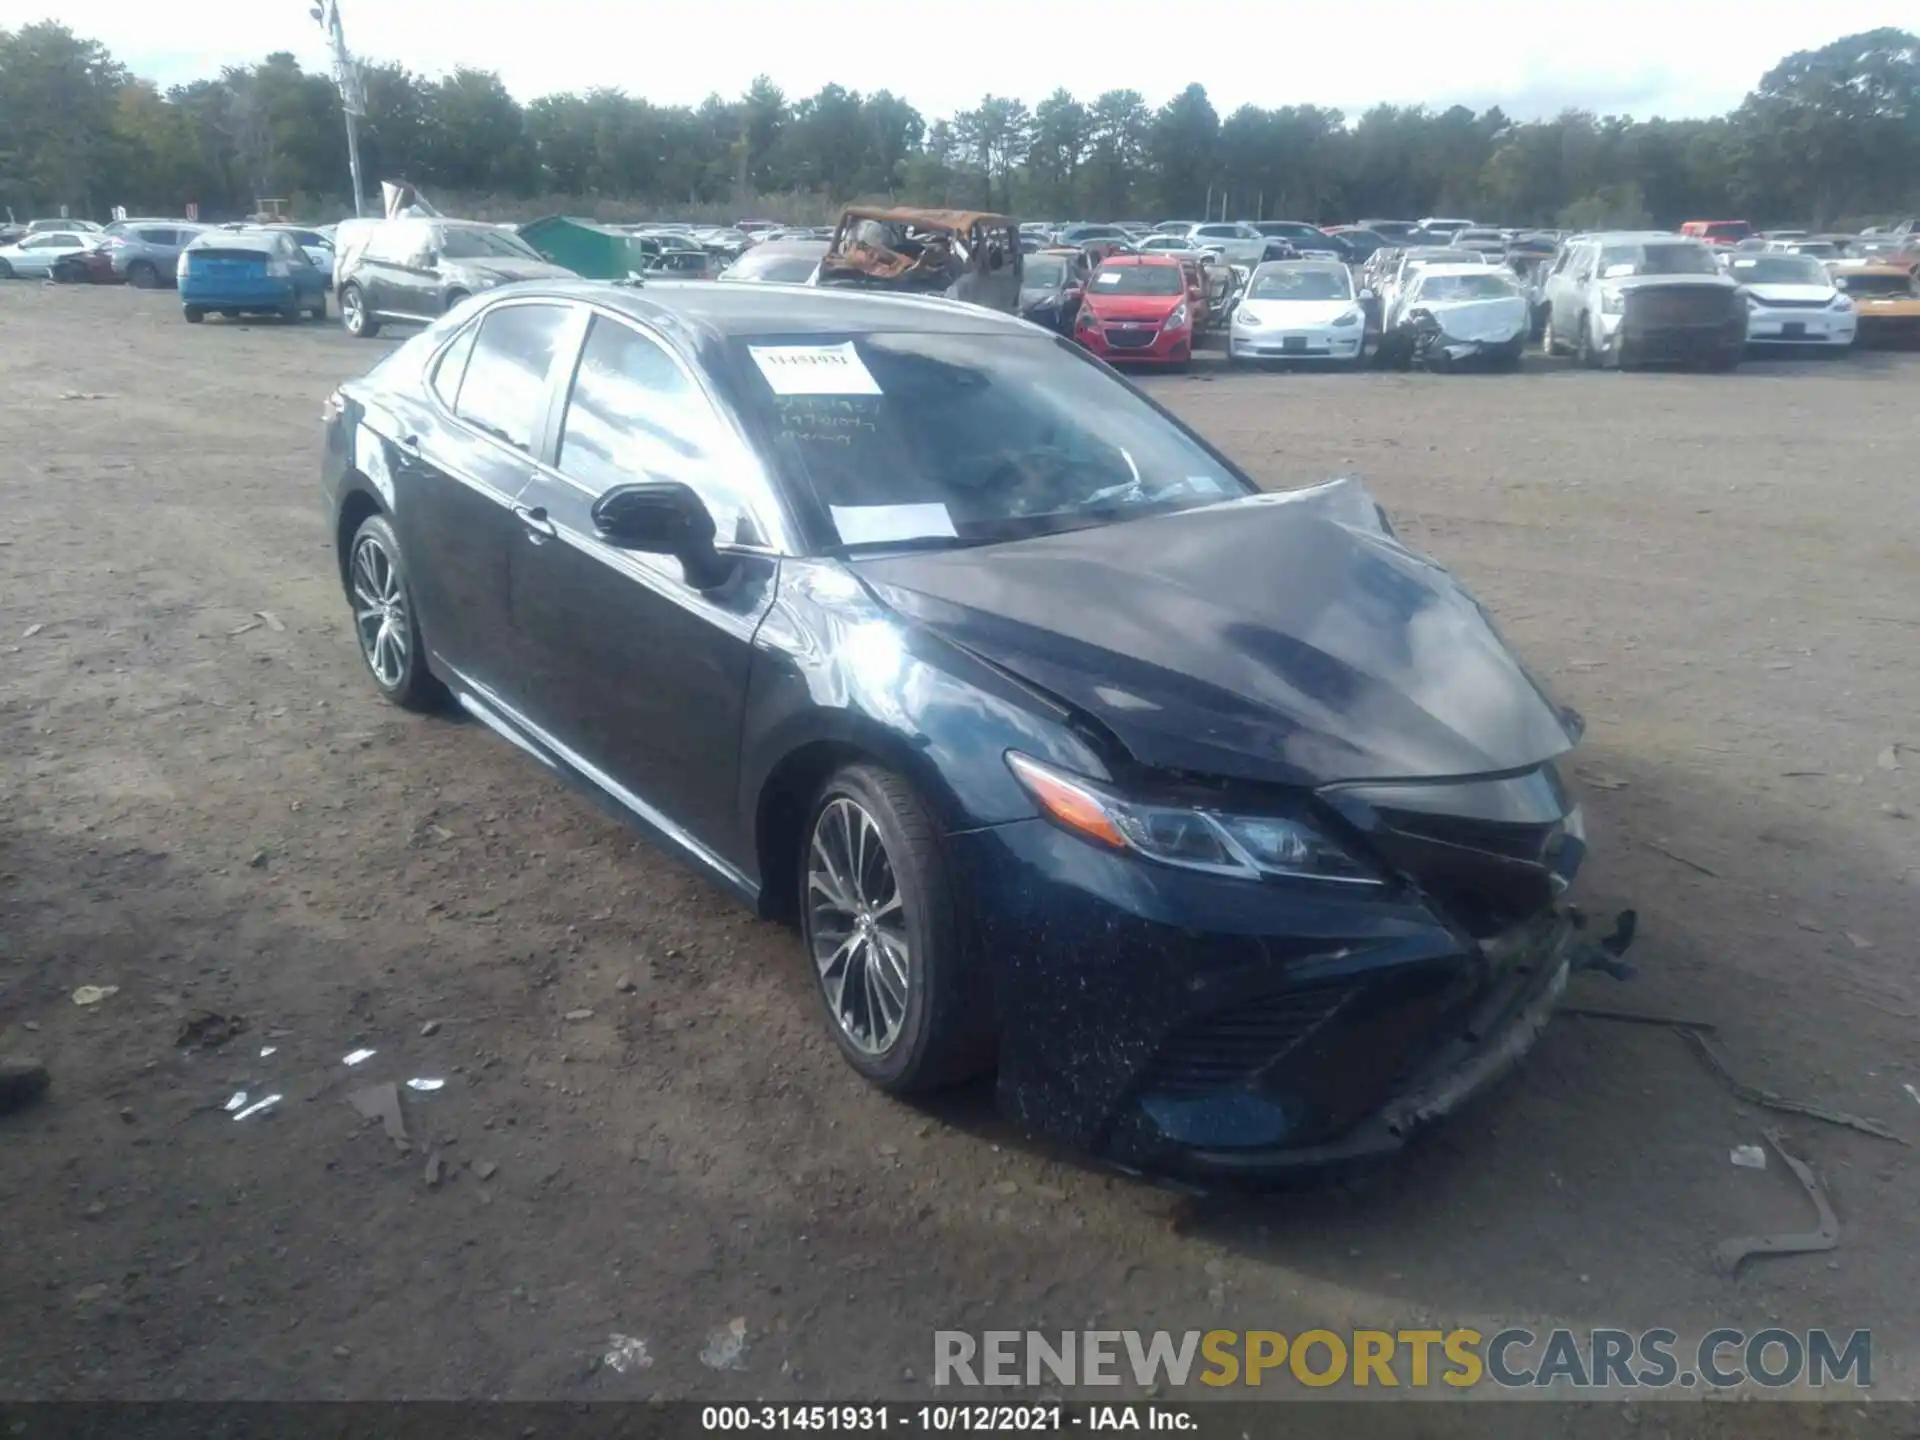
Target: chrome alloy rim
[380,612]
[350,307]
[857,925]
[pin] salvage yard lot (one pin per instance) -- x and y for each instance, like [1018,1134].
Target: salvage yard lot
[645,1128]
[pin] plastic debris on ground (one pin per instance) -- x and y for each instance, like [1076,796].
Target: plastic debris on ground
[357,1057]
[1911,1091]
[94,994]
[726,1348]
[421,1083]
[626,1354]
[236,1101]
[266,1050]
[1749,1157]
[382,1102]
[265,1103]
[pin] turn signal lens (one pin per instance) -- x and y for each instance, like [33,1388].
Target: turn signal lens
[1078,809]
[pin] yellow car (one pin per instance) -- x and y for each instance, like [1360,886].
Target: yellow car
[1886,298]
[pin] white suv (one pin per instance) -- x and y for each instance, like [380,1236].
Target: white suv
[1628,297]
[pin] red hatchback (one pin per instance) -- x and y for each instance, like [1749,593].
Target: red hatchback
[1135,310]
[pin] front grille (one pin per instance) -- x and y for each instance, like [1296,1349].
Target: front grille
[1680,305]
[1796,304]
[1127,338]
[1224,1051]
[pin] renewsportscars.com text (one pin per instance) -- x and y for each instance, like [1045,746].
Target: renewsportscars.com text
[1461,1358]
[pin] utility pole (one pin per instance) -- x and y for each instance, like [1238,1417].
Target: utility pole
[353,98]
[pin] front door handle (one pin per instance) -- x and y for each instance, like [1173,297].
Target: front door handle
[538,527]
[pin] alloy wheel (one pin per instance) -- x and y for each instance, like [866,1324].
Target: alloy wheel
[857,927]
[351,313]
[380,612]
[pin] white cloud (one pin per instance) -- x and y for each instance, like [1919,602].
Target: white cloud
[1642,56]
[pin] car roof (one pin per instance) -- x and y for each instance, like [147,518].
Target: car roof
[1161,261]
[721,309]
[1430,270]
[254,239]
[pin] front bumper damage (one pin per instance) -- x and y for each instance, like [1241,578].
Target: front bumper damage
[1426,342]
[1200,1028]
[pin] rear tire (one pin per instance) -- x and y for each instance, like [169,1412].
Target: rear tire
[292,314]
[320,308]
[193,313]
[907,1005]
[355,318]
[143,276]
[6,270]
[385,623]
[1587,351]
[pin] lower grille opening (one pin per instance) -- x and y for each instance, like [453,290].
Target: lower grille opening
[1224,1050]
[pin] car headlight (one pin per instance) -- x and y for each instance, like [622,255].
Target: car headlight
[1612,302]
[1245,846]
[1244,316]
[1178,319]
[1840,302]
[1349,317]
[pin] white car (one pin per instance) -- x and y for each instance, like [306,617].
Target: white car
[34,256]
[1449,315]
[1633,296]
[1409,265]
[1299,310]
[1792,300]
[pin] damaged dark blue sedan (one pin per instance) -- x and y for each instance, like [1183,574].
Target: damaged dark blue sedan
[1220,824]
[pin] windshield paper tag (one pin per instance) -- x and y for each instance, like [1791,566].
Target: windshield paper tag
[1110,277]
[881,524]
[814,370]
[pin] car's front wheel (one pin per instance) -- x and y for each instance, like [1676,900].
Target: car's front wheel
[384,620]
[909,1010]
[6,270]
[143,275]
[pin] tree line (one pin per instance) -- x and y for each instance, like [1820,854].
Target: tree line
[1827,136]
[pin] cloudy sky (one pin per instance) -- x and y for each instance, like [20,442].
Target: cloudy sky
[1533,57]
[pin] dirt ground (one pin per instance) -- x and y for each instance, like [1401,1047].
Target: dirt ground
[645,1129]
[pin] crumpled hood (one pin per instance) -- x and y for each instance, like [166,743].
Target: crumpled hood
[1282,638]
[1479,321]
[1770,294]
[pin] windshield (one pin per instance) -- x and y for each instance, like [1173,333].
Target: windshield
[953,438]
[1139,280]
[1824,249]
[1778,270]
[473,243]
[1301,285]
[1043,272]
[1619,261]
[1491,286]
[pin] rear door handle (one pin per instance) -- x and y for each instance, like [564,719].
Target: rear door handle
[538,527]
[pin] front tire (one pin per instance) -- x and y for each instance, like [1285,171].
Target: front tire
[385,623]
[193,313]
[6,270]
[143,276]
[1587,351]
[355,318]
[907,1008]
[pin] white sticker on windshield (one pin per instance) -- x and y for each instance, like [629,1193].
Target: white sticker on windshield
[879,524]
[1615,272]
[1107,277]
[814,369]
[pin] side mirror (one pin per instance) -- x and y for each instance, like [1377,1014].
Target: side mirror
[662,517]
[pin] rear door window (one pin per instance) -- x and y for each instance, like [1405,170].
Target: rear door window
[504,391]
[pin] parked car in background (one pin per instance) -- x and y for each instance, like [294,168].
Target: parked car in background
[1361,242]
[93,266]
[1396,232]
[145,253]
[317,244]
[1486,241]
[1454,315]
[1443,229]
[1298,310]
[962,254]
[1630,297]
[1718,232]
[1235,241]
[1392,286]
[1178,245]
[48,226]
[33,256]
[1051,285]
[248,272]
[1886,300]
[1137,309]
[779,262]
[1792,300]
[1069,753]
[1309,242]
[1083,231]
[414,269]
